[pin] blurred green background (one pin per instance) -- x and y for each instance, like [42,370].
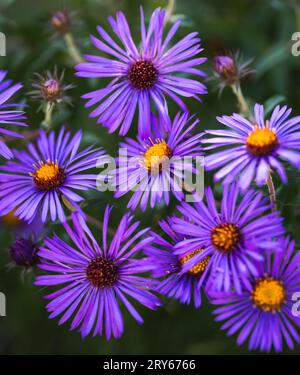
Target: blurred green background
[260,30]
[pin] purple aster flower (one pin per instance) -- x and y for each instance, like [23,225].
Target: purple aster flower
[156,166]
[45,175]
[263,312]
[226,235]
[168,267]
[254,148]
[9,114]
[95,278]
[143,75]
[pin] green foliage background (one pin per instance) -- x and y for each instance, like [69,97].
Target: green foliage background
[259,29]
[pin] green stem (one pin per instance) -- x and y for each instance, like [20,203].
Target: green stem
[98,224]
[48,116]
[242,103]
[27,136]
[73,49]
[272,192]
[169,11]
[90,219]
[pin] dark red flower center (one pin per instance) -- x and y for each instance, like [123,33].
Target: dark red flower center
[142,74]
[102,272]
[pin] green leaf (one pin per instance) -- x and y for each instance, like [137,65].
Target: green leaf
[272,102]
[275,55]
[185,20]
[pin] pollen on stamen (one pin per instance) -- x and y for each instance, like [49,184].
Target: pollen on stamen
[142,74]
[262,141]
[225,237]
[48,176]
[200,267]
[268,294]
[157,155]
[102,272]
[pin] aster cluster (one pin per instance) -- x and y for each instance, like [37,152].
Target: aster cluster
[227,245]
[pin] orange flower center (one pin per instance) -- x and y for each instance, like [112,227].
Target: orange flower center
[225,237]
[198,268]
[157,155]
[48,176]
[262,141]
[268,294]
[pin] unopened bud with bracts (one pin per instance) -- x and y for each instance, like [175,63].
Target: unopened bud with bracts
[229,70]
[50,88]
[226,68]
[23,252]
[61,21]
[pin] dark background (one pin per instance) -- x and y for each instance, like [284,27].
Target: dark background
[258,29]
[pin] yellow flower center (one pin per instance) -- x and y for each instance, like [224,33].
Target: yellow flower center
[225,237]
[268,294]
[198,268]
[156,155]
[48,176]
[262,141]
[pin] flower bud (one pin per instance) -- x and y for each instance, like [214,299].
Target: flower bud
[229,69]
[50,88]
[61,22]
[23,253]
[226,68]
